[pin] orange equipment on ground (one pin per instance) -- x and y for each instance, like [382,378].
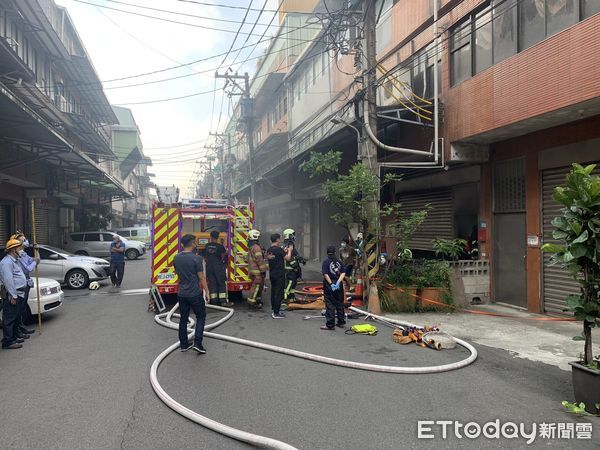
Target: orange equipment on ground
[199,217]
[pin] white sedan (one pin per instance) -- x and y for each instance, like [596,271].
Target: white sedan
[51,297]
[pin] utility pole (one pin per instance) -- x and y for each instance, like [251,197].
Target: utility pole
[246,115]
[369,149]
[219,150]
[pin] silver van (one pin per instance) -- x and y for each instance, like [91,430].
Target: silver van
[97,243]
[141,234]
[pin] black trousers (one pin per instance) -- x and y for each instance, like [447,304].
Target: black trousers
[21,305]
[217,284]
[334,306]
[291,277]
[199,307]
[277,287]
[117,270]
[9,321]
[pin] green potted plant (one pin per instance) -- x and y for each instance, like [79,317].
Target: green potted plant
[433,283]
[398,290]
[449,249]
[578,230]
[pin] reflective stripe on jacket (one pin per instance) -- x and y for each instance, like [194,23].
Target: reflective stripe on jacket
[258,264]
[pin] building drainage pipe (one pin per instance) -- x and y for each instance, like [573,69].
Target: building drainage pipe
[166,319]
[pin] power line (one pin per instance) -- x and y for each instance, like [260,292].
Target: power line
[199,93]
[236,35]
[251,30]
[216,19]
[163,19]
[135,38]
[234,7]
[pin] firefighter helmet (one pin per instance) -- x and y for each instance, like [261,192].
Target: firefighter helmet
[12,243]
[94,285]
[254,234]
[288,233]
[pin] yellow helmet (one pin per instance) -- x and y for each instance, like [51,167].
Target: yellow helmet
[18,235]
[12,243]
[288,233]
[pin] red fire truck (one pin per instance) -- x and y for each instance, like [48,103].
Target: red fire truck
[199,217]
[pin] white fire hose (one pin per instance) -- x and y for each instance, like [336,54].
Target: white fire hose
[165,319]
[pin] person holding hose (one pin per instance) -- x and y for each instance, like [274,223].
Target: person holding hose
[333,277]
[258,270]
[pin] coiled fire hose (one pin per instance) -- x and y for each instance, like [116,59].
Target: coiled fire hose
[166,319]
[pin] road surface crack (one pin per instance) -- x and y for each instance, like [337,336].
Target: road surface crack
[136,399]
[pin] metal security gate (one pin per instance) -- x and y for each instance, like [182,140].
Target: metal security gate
[46,226]
[439,222]
[4,223]
[42,225]
[510,233]
[557,284]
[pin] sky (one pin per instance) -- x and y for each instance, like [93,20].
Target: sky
[121,44]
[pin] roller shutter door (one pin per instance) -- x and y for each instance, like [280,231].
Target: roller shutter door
[4,223]
[439,222]
[557,284]
[42,225]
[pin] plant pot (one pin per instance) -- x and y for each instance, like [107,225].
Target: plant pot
[399,299]
[586,385]
[434,295]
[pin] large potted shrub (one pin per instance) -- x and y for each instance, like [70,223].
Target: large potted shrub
[398,290]
[578,230]
[434,286]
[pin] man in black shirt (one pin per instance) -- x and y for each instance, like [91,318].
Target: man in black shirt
[215,270]
[190,272]
[275,256]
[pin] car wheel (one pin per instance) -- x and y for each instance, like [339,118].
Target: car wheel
[77,279]
[82,253]
[132,253]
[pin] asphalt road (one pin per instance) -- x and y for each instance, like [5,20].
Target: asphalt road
[84,384]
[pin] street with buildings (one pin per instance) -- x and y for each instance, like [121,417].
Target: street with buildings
[421,142]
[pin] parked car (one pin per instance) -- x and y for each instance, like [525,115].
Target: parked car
[75,271]
[141,234]
[97,243]
[51,297]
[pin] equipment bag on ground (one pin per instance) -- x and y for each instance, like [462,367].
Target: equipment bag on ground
[363,328]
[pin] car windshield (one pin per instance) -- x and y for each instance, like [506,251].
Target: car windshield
[60,251]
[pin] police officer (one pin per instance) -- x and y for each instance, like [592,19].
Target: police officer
[292,265]
[215,255]
[257,268]
[15,283]
[28,264]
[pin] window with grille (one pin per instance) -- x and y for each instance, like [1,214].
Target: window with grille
[509,186]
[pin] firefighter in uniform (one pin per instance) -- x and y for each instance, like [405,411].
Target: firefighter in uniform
[292,265]
[258,269]
[215,255]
